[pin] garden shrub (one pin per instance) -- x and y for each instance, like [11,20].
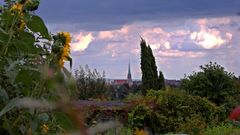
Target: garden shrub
[223,129]
[216,84]
[173,111]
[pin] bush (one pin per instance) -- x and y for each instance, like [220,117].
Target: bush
[90,83]
[224,129]
[215,84]
[172,111]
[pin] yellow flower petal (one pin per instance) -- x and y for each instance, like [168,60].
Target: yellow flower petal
[66,49]
[17,6]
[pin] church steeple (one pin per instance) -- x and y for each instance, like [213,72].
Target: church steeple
[129,76]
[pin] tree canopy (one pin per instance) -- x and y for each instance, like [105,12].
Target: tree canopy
[214,83]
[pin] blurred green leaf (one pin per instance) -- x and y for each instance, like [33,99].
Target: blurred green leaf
[23,77]
[26,43]
[3,36]
[67,73]
[63,121]
[13,103]
[36,24]
[43,117]
[34,125]
[70,60]
[3,95]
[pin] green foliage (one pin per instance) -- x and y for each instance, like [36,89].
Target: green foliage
[172,111]
[148,67]
[223,129]
[214,83]
[161,81]
[36,24]
[153,68]
[90,83]
[29,68]
[121,131]
[138,116]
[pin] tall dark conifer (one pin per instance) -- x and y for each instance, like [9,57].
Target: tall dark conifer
[148,67]
[144,66]
[161,81]
[154,77]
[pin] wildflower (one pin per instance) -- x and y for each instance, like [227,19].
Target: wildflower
[140,132]
[66,48]
[45,128]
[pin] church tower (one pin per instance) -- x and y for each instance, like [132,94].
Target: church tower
[129,76]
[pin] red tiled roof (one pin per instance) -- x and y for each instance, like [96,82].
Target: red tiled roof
[120,82]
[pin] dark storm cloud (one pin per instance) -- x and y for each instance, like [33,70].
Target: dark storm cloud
[110,14]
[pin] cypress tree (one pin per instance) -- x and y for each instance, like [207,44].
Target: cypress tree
[148,67]
[144,66]
[161,81]
[154,77]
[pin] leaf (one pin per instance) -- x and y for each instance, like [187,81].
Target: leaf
[3,95]
[67,73]
[24,77]
[3,36]
[43,117]
[63,121]
[70,60]
[12,65]
[13,103]
[26,43]
[36,24]
[34,125]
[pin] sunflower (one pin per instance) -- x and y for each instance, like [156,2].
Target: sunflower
[17,6]
[66,48]
[22,24]
[45,128]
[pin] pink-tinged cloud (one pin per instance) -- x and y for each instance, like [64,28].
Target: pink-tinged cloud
[81,41]
[211,38]
[114,33]
[207,40]
[157,38]
[214,21]
[111,49]
[178,53]
[162,39]
[135,51]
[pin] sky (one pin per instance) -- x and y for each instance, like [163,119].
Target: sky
[183,34]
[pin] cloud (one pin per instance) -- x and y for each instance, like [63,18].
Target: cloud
[113,34]
[81,41]
[178,54]
[208,37]
[207,40]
